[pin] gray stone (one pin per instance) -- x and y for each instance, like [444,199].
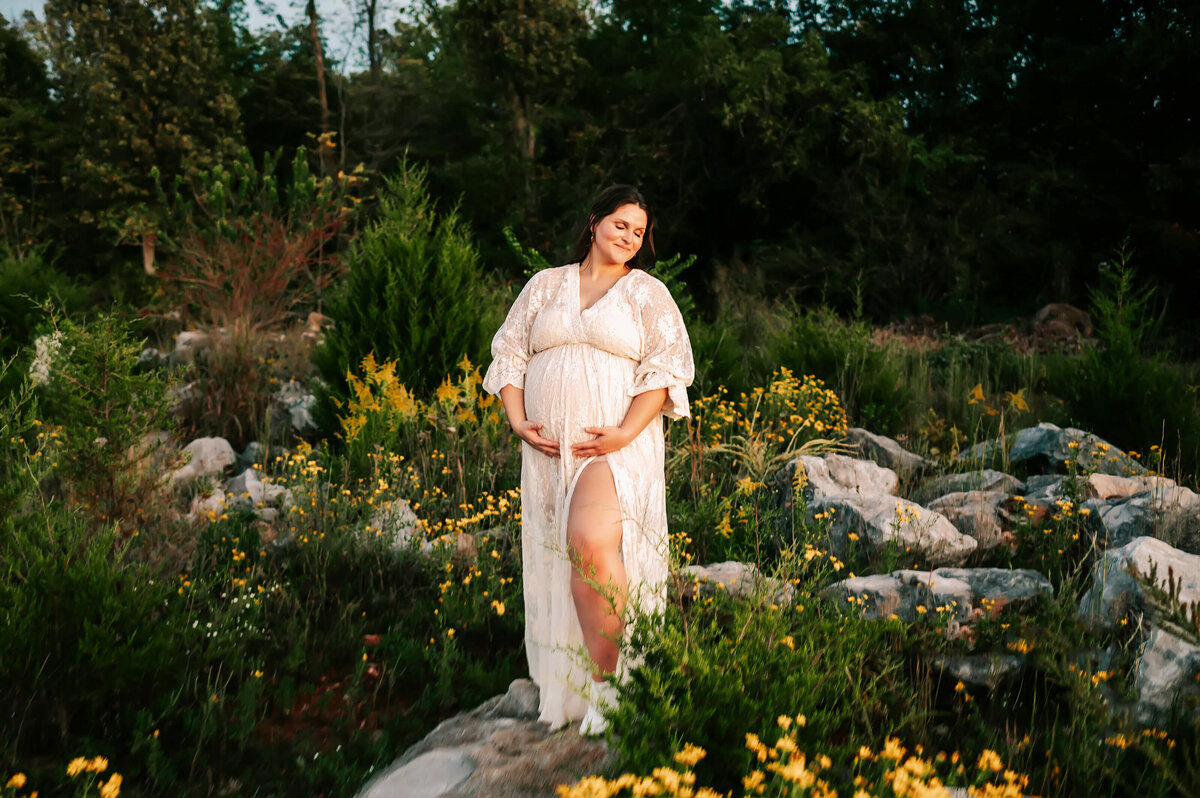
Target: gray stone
[988,671]
[838,475]
[885,451]
[151,360]
[255,454]
[395,522]
[188,344]
[1107,486]
[983,480]
[509,753]
[1047,448]
[1165,680]
[299,404]
[881,520]
[207,457]
[1115,593]
[1170,513]
[1045,489]
[977,513]
[1020,587]
[430,775]
[207,505]
[737,579]
[901,593]
[248,491]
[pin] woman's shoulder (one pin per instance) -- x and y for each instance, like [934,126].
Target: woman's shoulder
[649,288]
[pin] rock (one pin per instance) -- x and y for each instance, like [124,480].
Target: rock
[497,750]
[1107,486]
[740,580]
[1171,514]
[885,451]
[396,523]
[982,480]
[901,592]
[1165,679]
[881,520]
[151,360]
[188,344]
[1047,447]
[977,513]
[247,491]
[838,475]
[1044,489]
[254,455]
[988,671]
[207,506]
[999,587]
[1115,593]
[299,403]
[208,457]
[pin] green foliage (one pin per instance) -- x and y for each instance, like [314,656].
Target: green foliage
[412,294]
[104,416]
[145,93]
[30,280]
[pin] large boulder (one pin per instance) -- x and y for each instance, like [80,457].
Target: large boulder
[903,594]
[1107,486]
[738,579]
[396,523]
[838,475]
[984,479]
[977,513]
[1170,513]
[1115,592]
[885,451]
[962,589]
[497,750]
[1047,448]
[1165,679]
[206,457]
[881,520]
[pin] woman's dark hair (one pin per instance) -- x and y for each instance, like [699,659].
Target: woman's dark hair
[605,203]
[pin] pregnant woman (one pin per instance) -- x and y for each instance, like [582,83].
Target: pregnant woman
[590,358]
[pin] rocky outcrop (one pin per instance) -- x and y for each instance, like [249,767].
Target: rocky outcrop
[206,457]
[1165,679]
[885,451]
[1115,593]
[977,513]
[956,591]
[1046,448]
[737,579]
[985,479]
[497,750]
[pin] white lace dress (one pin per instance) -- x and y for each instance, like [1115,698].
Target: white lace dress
[581,368]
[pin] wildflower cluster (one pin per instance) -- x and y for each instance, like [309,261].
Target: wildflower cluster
[783,769]
[789,410]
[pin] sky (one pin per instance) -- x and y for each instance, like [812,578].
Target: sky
[345,40]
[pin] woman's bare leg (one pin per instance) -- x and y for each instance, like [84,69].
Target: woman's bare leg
[598,582]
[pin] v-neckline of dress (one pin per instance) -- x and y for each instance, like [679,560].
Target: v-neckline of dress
[578,283]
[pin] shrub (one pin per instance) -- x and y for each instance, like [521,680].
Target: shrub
[105,420]
[28,282]
[412,294]
[247,259]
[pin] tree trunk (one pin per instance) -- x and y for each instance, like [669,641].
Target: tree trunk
[328,154]
[372,44]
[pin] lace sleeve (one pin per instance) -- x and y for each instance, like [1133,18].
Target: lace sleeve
[510,345]
[666,350]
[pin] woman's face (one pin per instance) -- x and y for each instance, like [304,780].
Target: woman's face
[618,236]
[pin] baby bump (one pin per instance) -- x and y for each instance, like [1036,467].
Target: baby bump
[571,387]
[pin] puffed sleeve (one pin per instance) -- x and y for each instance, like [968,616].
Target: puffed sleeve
[666,350]
[510,345]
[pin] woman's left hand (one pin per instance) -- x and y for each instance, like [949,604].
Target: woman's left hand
[607,440]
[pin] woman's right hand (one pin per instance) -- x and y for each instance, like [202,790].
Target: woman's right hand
[530,432]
